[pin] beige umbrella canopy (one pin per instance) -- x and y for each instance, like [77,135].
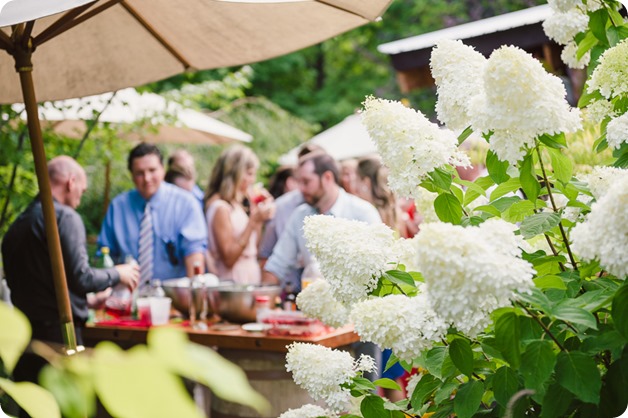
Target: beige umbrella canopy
[106,45]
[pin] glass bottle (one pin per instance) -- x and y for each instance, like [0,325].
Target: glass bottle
[311,272]
[107,261]
[290,301]
[195,284]
[262,307]
[120,302]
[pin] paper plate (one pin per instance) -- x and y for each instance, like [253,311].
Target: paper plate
[255,327]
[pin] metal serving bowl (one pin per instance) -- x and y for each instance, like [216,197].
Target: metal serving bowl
[179,291]
[236,303]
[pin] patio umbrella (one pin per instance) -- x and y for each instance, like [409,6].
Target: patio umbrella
[173,123]
[107,45]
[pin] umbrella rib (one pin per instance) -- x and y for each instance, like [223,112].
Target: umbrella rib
[5,41]
[327,3]
[59,26]
[186,64]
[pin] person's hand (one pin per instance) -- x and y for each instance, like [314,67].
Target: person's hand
[129,274]
[263,211]
[97,300]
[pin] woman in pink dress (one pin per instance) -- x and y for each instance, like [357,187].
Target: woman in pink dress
[232,233]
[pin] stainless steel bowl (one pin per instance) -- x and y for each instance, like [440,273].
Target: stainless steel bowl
[179,291]
[236,303]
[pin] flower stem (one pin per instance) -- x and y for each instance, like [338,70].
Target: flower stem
[551,245]
[560,225]
[545,328]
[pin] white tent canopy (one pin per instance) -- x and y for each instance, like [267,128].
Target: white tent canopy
[174,123]
[348,139]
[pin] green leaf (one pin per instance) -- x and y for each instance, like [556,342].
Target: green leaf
[506,187]
[373,407]
[497,169]
[549,281]
[574,315]
[448,208]
[561,165]
[557,141]
[444,392]
[468,399]
[508,337]
[477,188]
[387,384]
[586,44]
[556,401]
[518,211]
[363,384]
[538,223]
[15,333]
[537,298]
[578,373]
[73,393]
[204,365]
[462,355]
[400,277]
[537,364]
[619,310]
[597,23]
[464,134]
[529,183]
[435,360]
[505,384]
[35,400]
[504,203]
[441,178]
[424,390]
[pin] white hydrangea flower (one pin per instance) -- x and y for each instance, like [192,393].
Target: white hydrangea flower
[593,5]
[424,203]
[598,110]
[610,77]
[405,251]
[570,213]
[564,5]
[410,145]
[365,364]
[604,233]
[317,301]
[407,325]
[352,254]
[455,67]
[469,272]
[562,27]
[617,131]
[412,382]
[520,102]
[321,370]
[601,178]
[307,411]
[569,56]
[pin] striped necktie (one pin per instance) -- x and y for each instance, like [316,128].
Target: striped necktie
[145,259]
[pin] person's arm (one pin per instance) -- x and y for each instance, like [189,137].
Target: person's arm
[80,276]
[191,260]
[230,248]
[269,278]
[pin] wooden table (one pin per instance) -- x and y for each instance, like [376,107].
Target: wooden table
[261,357]
[237,339]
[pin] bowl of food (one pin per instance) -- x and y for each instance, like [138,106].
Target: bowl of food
[179,291]
[236,303]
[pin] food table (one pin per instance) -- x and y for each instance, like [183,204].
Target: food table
[261,356]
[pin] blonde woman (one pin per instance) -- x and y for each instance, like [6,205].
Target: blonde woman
[232,233]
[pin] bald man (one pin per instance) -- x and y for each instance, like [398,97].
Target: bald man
[27,262]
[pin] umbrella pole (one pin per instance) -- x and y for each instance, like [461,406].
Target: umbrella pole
[24,67]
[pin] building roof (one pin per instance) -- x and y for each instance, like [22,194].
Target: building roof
[474,29]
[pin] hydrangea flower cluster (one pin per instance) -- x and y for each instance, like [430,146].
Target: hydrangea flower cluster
[407,325]
[307,411]
[455,67]
[321,370]
[562,27]
[599,110]
[610,77]
[318,301]
[410,145]
[617,131]
[569,56]
[352,254]
[424,203]
[601,178]
[520,101]
[469,272]
[604,233]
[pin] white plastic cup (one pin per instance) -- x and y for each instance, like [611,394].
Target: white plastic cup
[143,310]
[160,310]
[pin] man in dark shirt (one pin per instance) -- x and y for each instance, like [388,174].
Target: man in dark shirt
[27,262]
